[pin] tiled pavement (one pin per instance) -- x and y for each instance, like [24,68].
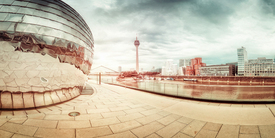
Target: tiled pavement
[118,112]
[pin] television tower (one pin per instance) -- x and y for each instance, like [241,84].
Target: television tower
[137,44]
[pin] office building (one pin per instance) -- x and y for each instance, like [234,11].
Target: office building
[218,70]
[235,65]
[242,60]
[260,67]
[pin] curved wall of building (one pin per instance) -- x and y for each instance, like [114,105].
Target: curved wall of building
[46,48]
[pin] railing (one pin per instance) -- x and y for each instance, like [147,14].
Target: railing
[200,91]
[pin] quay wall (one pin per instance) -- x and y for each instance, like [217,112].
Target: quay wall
[227,79]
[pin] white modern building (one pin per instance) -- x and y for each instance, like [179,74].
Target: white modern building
[242,60]
[260,67]
[218,70]
[182,66]
[169,68]
[184,62]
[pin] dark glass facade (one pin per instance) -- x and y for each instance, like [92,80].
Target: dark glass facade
[48,27]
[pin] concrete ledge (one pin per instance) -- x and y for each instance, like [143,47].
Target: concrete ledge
[28,100]
[19,100]
[6,100]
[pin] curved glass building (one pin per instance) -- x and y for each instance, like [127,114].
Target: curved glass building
[46,50]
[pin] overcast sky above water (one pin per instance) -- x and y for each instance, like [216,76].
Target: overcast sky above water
[177,29]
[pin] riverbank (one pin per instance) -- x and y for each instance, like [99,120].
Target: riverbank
[235,80]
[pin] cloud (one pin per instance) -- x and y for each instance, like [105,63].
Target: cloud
[177,29]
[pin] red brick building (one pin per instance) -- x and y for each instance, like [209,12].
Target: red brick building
[194,69]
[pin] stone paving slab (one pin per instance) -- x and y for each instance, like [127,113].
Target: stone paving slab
[124,126]
[55,133]
[93,132]
[40,123]
[117,112]
[20,129]
[227,115]
[171,129]
[147,129]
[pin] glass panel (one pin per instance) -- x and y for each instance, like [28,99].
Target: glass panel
[68,36]
[40,2]
[42,14]
[44,22]
[14,17]
[46,9]
[35,6]
[62,34]
[20,3]
[39,39]
[70,24]
[54,24]
[45,31]
[56,33]
[31,19]
[11,28]
[21,27]
[6,1]
[171,89]
[12,9]
[65,28]
[3,16]
[82,43]
[26,11]
[73,32]
[63,20]
[60,42]
[53,17]
[49,40]
[4,26]
[52,10]
[33,29]
[55,6]
[76,40]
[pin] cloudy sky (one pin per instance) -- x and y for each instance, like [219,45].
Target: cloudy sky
[177,29]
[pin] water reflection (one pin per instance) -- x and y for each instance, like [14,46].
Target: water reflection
[202,91]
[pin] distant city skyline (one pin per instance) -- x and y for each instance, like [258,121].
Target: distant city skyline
[177,30]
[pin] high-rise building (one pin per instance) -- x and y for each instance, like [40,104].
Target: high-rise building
[242,60]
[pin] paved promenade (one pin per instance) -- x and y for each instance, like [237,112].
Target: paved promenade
[118,112]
